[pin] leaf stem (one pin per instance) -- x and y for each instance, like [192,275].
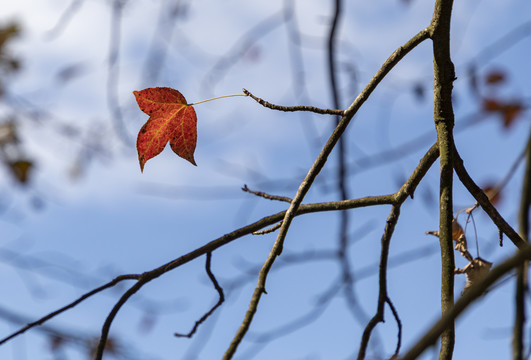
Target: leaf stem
[215,98]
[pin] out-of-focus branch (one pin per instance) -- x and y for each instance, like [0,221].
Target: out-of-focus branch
[113,71]
[342,171]
[66,16]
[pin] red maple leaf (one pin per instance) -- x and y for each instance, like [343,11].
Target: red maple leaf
[171,120]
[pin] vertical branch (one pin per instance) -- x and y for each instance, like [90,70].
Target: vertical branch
[522,285]
[444,76]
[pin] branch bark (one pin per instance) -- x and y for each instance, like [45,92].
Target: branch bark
[444,75]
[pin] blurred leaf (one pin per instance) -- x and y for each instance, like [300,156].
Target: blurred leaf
[491,105]
[507,110]
[492,193]
[21,169]
[7,32]
[111,347]
[457,230]
[495,77]
[7,133]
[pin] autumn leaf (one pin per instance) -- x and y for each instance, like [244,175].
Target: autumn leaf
[508,110]
[171,120]
[495,77]
[493,193]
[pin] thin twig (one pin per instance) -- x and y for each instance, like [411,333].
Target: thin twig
[293,108]
[398,324]
[265,195]
[69,306]
[268,230]
[218,304]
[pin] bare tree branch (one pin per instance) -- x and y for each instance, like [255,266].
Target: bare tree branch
[308,181]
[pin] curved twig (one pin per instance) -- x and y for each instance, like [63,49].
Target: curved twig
[398,324]
[218,304]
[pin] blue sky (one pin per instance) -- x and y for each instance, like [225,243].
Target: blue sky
[101,218]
